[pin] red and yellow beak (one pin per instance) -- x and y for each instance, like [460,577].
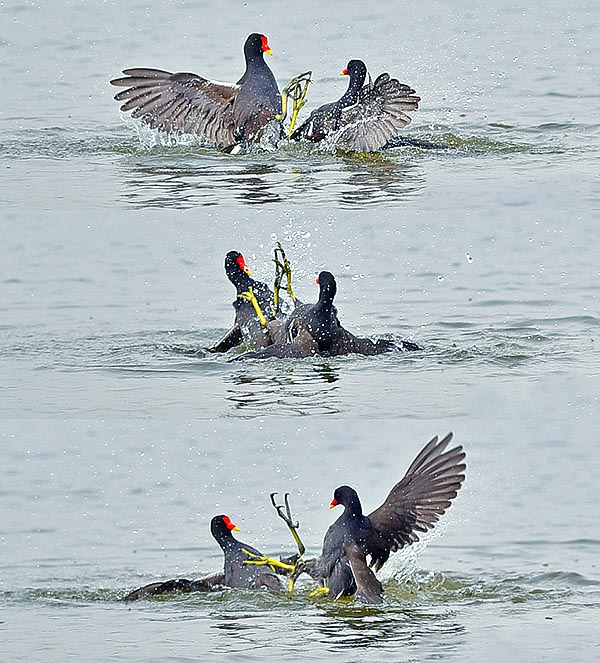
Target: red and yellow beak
[265,46]
[230,525]
[242,265]
[344,72]
[334,502]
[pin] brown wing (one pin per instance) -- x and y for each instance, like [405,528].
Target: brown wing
[415,504]
[378,115]
[182,102]
[181,585]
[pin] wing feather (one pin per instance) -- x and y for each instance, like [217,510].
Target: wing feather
[416,502]
[181,102]
[378,115]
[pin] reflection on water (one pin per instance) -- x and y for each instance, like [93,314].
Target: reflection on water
[353,626]
[296,388]
[181,177]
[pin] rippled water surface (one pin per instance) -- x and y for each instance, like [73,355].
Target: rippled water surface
[122,436]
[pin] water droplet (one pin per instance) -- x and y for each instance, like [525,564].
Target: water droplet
[274,236]
[469,257]
[440,278]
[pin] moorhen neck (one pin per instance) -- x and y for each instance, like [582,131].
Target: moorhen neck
[326,119]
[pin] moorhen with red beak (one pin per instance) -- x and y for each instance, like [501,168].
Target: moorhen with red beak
[367,116]
[237,571]
[248,325]
[327,118]
[413,506]
[314,329]
[226,115]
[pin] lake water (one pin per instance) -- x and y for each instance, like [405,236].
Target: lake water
[121,436]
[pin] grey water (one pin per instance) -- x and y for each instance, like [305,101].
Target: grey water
[121,436]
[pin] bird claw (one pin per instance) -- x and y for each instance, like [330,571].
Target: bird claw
[263,560]
[285,513]
[282,267]
[296,90]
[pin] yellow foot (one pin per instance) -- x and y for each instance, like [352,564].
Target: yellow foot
[296,90]
[282,266]
[271,562]
[320,591]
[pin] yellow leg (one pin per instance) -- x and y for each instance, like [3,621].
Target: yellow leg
[282,266]
[271,562]
[320,591]
[251,297]
[296,89]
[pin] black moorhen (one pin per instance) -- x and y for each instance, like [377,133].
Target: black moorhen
[314,329]
[224,114]
[326,119]
[235,572]
[413,506]
[367,116]
[247,325]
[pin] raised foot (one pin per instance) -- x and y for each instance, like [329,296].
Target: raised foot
[282,267]
[285,513]
[296,90]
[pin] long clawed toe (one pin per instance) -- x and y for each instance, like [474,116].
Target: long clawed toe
[285,513]
[282,267]
[271,562]
[295,90]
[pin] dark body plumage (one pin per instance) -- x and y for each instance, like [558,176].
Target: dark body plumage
[246,327]
[235,573]
[314,329]
[224,114]
[367,116]
[413,506]
[326,119]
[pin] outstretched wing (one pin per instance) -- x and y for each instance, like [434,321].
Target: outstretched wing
[415,504]
[180,102]
[378,115]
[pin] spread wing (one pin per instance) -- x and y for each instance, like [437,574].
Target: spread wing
[180,102]
[378,115]
[415,504]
